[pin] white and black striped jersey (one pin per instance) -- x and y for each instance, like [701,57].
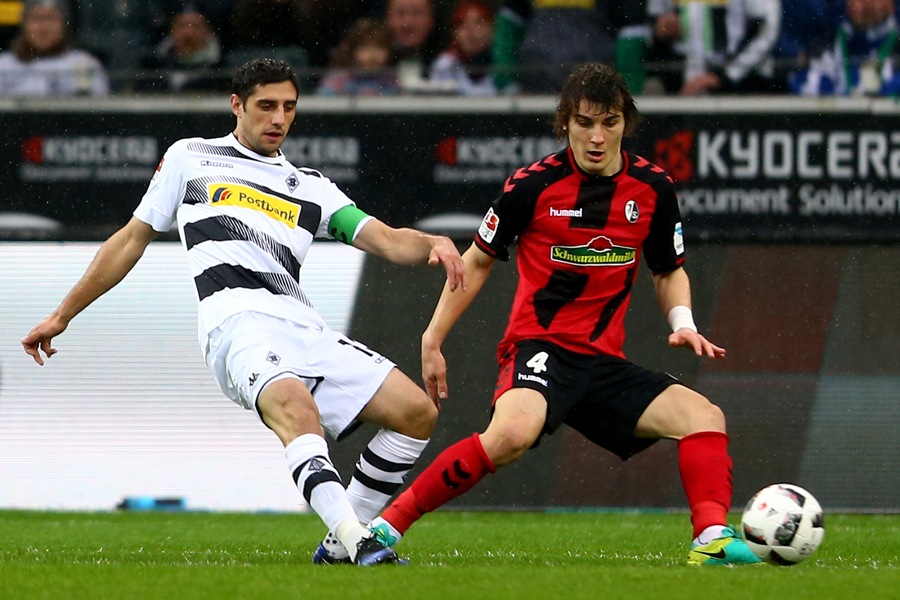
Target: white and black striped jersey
[247,222]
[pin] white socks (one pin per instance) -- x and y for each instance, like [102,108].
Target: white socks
[319,482]
[381,470]
[709,534]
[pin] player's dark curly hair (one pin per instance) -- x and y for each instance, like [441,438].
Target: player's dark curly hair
[600,85]
[262,71]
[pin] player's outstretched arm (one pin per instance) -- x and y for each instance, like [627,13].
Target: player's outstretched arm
[450,307]
[411,247]
[673,292]
[115,258]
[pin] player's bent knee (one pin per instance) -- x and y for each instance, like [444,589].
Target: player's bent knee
[505,444]
[289,415]
[708,417]
[416,416]
[420,419]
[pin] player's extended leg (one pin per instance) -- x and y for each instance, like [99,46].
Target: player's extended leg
[682,414]
[407,417]
[288,408]
[518,420]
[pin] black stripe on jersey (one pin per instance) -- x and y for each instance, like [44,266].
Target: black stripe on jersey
[613,305]
[195,192]
[562,288]
[308,171]
[224,228]
[595,198]
[228,151]
[226,277]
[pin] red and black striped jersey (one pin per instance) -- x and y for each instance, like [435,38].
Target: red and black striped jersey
[580,238]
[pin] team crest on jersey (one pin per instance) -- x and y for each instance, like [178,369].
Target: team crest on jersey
[292,181]
[599,252]
[489,224]
[632,212]
[232,194]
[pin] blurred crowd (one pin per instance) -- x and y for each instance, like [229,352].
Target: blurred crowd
[451,47]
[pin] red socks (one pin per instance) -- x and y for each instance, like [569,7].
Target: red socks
[454,472]
[705,468]
[703,461]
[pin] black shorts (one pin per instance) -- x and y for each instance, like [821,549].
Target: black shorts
[601,397]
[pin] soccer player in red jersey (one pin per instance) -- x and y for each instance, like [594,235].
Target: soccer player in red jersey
[583,218]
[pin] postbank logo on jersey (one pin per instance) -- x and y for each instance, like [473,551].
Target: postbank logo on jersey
[232,194]
[599,252]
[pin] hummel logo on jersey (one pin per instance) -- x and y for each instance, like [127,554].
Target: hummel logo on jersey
[253,378]
[599,252]
[565,212]
[292,181]
[273,358]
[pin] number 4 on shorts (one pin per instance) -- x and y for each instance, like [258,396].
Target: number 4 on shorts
[538,362]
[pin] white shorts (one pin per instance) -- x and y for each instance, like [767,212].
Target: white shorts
[248,351]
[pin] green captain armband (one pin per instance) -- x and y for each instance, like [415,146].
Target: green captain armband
[344,224]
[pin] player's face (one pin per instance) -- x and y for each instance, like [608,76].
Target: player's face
[264,119]
[596,139]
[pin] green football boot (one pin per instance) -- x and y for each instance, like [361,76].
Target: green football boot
[730,549]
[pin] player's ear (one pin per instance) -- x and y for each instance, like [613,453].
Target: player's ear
[237,107]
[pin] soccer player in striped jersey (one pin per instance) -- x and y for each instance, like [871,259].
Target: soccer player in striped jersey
[247,218]
[583,218]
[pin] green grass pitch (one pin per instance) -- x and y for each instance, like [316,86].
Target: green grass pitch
[454,554]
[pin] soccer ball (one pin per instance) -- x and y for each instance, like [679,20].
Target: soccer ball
[783,524]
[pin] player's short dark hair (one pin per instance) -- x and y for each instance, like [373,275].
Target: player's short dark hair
[262,71]
[600,85]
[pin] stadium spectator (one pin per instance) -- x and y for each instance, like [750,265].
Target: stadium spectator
[315,25]
[537,43]
[580,220]
[803,24]
[863,58]
[218,14]
[189,58]
[415,37]
[715,47]
[465,66]
[361,63]
[42,61]
[247,218]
